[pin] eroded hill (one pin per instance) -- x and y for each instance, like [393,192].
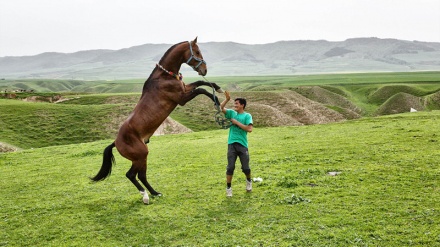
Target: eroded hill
[26,122]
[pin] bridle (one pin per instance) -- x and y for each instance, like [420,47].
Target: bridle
[178,76]
[195,58]
[222,121]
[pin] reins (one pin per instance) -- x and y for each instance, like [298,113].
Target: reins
[218,116]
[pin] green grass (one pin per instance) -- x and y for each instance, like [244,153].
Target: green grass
[387,91]
[33,125]
[241,83]
[386,195]
[100,115]
[433,101]
[103,98]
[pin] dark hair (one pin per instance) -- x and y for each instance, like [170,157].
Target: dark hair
[242,101]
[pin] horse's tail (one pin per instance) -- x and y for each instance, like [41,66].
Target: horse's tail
[107,162]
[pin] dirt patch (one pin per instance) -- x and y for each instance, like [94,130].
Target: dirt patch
[386,92]
[433,101]
[170,126]
[400,103]
[7,148]
[61,99]
[288,108]
[49,99]
[273,116]
[307,111]
[327,97]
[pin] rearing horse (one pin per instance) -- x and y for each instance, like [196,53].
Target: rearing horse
[162,92]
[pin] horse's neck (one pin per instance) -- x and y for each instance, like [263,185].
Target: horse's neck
[172,64]
[173,59]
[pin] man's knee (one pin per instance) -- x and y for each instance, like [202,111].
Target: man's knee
[230,172]
[246,171]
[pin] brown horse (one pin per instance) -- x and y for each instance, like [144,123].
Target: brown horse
[162,92]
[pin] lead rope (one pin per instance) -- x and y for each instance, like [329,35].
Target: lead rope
[218,116]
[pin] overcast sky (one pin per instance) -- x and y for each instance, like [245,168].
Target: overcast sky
[30,27]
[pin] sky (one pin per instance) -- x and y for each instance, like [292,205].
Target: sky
[30,27]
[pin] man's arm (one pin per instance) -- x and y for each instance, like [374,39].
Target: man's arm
[247,128]
[223,104]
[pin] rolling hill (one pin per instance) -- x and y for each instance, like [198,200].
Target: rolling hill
[234,59]
[77,118]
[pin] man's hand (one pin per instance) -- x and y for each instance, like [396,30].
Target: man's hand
[227,95]
[247,128]
[223,104]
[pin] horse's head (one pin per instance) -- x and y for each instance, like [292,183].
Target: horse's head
[195,58]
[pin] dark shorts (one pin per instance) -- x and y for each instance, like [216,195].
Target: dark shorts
[237,150]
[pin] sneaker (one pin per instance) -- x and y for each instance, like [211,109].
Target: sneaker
[229,192]
[248,186]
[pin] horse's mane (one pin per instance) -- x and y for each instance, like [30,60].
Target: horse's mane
[168,51]
[147,82]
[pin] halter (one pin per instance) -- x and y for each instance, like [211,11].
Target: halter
[195,58]
[179,76]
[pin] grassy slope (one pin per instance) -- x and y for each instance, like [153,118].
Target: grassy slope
[235,82]
[100,114]
[28,125]
[386,195]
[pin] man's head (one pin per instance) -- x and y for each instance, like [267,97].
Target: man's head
[239,103]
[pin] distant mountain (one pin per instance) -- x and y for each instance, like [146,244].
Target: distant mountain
[234,59]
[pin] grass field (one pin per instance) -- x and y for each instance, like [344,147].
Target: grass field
[297,98]
[387,192]
[26,124]
[32,125]
[241,83]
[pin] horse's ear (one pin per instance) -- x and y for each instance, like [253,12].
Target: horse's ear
[195,40]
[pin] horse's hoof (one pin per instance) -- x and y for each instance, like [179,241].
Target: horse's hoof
[145,198]
[158,194]
[219,90]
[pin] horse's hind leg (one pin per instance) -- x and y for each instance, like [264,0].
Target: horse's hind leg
[131,175]
[142,175]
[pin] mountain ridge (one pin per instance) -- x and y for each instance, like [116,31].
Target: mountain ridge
[234,59]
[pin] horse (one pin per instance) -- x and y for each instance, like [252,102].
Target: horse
[162,92]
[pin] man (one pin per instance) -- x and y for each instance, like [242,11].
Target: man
[237,140]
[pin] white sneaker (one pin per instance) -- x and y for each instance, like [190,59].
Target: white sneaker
[248,186]
[229,192]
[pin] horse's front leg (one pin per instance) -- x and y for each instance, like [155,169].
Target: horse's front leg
[197,84]
[188,96]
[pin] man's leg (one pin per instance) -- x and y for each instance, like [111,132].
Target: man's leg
[232,157]
[243,154]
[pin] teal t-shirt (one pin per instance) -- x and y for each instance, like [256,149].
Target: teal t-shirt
[236,134]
